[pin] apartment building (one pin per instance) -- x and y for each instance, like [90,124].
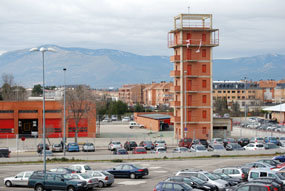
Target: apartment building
[192,40]
[157,94]
[132,93]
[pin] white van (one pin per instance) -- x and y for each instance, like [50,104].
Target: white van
[264,173]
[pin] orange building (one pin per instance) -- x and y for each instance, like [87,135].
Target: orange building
[24,118]
[192,40]
[158,94]
[132,93]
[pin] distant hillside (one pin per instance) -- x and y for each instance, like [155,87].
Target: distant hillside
[111,68]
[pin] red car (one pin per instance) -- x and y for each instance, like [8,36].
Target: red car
[185,142]
[139,150]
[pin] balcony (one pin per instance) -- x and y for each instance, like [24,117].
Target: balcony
[175,58]
[175,88]
[175,103]
[175,119]
[175,73]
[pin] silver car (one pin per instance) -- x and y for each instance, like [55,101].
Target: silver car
[160,143]
[20,179]
[91,181]
[104,177]
[87,147]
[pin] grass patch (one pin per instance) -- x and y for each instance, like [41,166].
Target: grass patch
[117,160]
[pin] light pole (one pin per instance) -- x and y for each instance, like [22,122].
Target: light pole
[64,138]
[244,106]
[43,50]
[185,105]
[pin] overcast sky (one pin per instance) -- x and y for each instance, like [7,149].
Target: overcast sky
[247,27]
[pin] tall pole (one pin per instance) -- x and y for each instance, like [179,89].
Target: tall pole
[245,106]
[64,125]
[44,122]
[185,105]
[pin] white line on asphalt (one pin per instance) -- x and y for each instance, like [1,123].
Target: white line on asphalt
[160,171]
[132,182]
[154,167]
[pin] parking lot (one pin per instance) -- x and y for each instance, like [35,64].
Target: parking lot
[159,170]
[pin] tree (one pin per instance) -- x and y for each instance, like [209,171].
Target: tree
[235,109]
[79,103]
[221,106]
[37,90]
[139,108]
[10,91]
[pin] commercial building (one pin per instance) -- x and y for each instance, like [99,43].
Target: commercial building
[24,118]
[276,112]
[192,40]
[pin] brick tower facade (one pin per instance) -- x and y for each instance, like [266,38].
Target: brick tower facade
[192,39]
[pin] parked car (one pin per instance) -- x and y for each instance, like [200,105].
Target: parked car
[4,152]
[180,150]
[88,147]
[126,119]
[91,181]
[201,142]
[206,176]
[114,145]
[158,150]
[21,179]
[40,147]
[229,140]
[272,162]
[261,172]
[254,147]
[217,141]
[256,140]
[243,141]
[139,150]
[272,140]
[259,165]
[275,183]
[129,171]
[81,168]
[254,186]
[64,170]
[120,152]
[280,158]
[130,145]
[148,145]
[160,143]
[270,146]
[216,147]
[48,153]
[198,183]
[282,141]
[234,147]
[57,148]
[198,148]
[104,177]
[56,181]
[73,147]
[187,142]
[235,172]
[232,181]
[106,120]
[173,186]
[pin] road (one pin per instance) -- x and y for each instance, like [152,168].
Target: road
[159,170]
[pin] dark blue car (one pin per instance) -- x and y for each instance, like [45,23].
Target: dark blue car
[172,186]
[73,147]
[128,171]
[280,158]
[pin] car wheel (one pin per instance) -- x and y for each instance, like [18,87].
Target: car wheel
[8,183]
[101,184]
[70,188]
[39,188]
[132,176]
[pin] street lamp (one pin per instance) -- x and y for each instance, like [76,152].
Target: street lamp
[43,50]
[64,138]
[244,106]
[185,105]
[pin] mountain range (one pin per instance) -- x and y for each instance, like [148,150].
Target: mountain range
[103,68]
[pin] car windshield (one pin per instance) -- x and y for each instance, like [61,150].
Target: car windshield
[236,146]
[212,176]
[259,145]
[273,138]
[200,148]
[140,150]
[161,149]
[73,144]
[122,151]
[222,175]
[57,145]
[187,187]
[88,144]
[282,138]
[259,138]
[148,142]
[218,147]
[219,140]
[280,176]
[183,149]
[86,176]
[272,145]
[116,143]
[106,173]
[160,141]
[86,167]
[197,180]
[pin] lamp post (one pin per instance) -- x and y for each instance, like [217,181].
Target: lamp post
[185,105]
[43,50]
[64,138]
[244,106]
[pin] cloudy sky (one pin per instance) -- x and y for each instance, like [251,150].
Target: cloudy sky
[247,27]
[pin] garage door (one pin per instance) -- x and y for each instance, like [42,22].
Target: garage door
[7,128]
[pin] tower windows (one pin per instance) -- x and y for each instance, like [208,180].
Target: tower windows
[204,114]
[204,53]
[204,99]
[204,68]
[204,83]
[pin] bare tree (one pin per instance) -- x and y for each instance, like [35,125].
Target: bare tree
[10,91]
[79,103]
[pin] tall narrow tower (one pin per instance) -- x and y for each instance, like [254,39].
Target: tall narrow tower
[192,39]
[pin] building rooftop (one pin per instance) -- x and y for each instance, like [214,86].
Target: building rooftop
[279,108]
[156,116]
